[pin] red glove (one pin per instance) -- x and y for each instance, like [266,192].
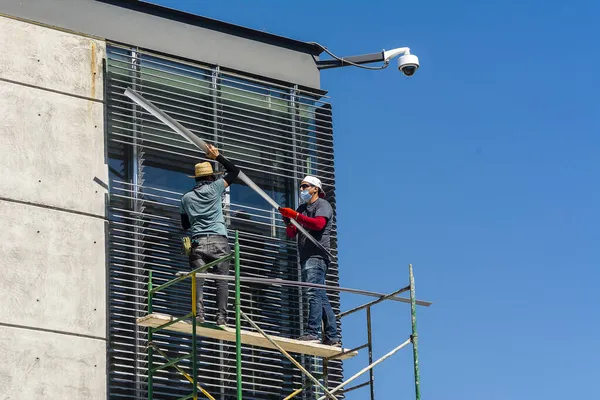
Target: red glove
[288,213]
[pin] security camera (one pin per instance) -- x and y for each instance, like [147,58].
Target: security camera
[408,64]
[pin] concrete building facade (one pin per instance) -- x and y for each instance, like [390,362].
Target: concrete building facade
[91,184]
[52,212]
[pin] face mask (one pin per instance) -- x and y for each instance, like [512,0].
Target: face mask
[305,196]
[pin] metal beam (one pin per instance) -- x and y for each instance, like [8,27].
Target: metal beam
[283,282]
[372,303]
[345,61]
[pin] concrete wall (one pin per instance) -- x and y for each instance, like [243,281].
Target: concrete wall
[52,214]
[47,365]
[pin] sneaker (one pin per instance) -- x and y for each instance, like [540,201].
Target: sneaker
[199,319]
[309,338]
[222,322]
[333,342]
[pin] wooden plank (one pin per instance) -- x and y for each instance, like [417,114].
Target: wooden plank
[155,320]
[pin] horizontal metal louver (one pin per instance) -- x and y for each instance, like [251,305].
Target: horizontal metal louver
[276,134]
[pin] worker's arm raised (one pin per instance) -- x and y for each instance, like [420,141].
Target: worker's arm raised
[185,220]
[232,170]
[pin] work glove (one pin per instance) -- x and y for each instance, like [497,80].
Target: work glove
[288,213]
[186,245]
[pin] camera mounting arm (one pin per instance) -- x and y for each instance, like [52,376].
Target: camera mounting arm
[385,56]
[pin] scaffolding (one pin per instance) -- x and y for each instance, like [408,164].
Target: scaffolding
[187,324]
[155,321]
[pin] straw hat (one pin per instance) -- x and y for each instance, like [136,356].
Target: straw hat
[203,169]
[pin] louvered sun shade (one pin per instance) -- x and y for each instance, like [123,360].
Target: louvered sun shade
[276,134]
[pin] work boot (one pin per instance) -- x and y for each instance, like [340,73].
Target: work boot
[309,338]
[333,342]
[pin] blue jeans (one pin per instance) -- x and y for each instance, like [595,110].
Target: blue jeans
[319,309]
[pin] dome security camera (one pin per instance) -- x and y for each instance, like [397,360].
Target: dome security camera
[408,64]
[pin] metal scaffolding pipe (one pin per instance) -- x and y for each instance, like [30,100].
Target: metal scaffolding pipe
[284,282]
[414,337]
[388,355]
[285,353]
[372,303]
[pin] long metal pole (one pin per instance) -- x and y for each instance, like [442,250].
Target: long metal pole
[136,178]
[283,282]
[194,353]
[294,393]
[293,112]
[372,303]
[370,342]
[325,372]
[183,131]
[353,388]
[414,337]
[285,353]
[226,206]
[150,348]
[391,353]
[238,320]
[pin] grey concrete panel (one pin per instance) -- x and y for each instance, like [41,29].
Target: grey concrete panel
[170,37]
[51,149]
[53,270]
[51,59]
[50,366]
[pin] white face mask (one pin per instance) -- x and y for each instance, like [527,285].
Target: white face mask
[305,196]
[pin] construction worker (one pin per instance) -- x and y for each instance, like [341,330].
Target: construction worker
[315,214]
[202,213]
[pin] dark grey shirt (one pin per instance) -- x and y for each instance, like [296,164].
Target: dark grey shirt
[306,248]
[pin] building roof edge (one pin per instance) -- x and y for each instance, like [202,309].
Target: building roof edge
[216,25]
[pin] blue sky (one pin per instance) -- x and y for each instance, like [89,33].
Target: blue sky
[482,170]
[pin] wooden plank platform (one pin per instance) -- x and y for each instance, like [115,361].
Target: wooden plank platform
[155,320]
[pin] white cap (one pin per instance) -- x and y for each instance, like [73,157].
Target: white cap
[313,180]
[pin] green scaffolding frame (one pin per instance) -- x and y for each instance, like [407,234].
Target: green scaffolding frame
[239,315]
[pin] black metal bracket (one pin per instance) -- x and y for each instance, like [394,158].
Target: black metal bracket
[345,61]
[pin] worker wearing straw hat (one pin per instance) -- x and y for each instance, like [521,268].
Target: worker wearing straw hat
[202,214]
[315,214]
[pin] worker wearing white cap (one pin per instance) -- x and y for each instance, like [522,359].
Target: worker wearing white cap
[315,214]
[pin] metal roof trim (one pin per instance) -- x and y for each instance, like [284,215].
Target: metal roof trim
[216,25]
